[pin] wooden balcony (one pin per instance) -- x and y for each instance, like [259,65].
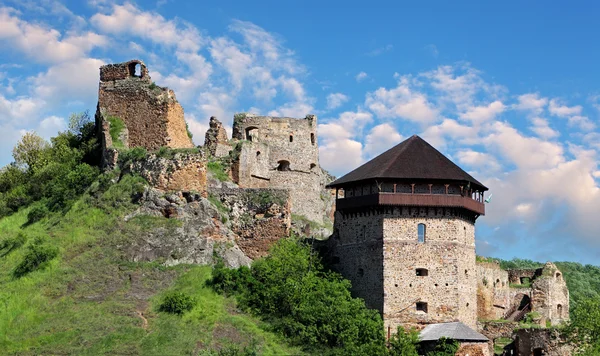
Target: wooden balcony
[417,200]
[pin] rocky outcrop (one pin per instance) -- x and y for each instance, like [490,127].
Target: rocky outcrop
[182,172]
[194,233]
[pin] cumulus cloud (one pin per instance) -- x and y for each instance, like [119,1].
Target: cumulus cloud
[401,102]
[335,100]
[542,128]
[361,76]
[479,114]
[381,138]
[557,109]
[531,102]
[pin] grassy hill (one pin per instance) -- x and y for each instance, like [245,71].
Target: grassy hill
[89,300]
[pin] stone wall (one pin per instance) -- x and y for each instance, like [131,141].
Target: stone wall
[151,114]
[474,349]
[183,172]
[258,217]
[356,251]
[282,153]
[448,255]
[216,140]
[516,275]
[545,341]
[493,292]
[550,295]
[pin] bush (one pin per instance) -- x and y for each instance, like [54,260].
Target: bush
[176,303]
[304,302]
[10,244]
[37,257]
[134,155]
[404,342]
[445,347]
[37,213]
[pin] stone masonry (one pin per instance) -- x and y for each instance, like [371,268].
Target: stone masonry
[379,252]
[216,140]
[282,153]
[152,116]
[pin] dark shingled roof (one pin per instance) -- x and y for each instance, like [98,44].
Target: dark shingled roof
[457,331]
[411,159]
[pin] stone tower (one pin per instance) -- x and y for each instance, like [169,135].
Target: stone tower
[151,115]
[281,152]
[404,234]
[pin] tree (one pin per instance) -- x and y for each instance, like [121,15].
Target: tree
[584,329]
[30,151]
[404,342]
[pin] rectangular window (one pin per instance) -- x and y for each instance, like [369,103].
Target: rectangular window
[422,307]
[421,232]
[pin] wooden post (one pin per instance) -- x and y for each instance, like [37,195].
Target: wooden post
[446,188]
[430,190]
[336,193]
[394,187]
[413,188]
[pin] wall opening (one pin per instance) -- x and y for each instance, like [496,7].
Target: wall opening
[422,272]
[257,153]
[283,166]
[525,280]
[312,138]
[361,272]
[422,307]
[135,69]
[559,310]
[538,352]
[312,165]
[252,134]
[421,232]
[558,275]
[291,138]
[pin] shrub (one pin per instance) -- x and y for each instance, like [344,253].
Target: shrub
[10,244]
[304,302]
[37,257]
[404,342]
[189,133]
[135,154]
[445,347]
[176,303]
[37,213]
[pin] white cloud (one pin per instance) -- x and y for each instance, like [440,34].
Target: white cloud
[542,128]
[381,138]
[401,102]
[479,161]
[381,50]
[335,100]
[531,102]
[340,155]
[42,44]
[361,76]
[130,20]
[582,122]
[59,83]
[557,109]
[479,114]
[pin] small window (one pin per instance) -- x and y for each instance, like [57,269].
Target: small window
[312,165]
[559,310]
[257,153]
[558,275]
[283,166]
[422,307]
[312,138]
[291,138]
[361,272]
[422,272]
[421,231]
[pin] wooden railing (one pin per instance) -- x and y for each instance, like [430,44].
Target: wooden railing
[418,200]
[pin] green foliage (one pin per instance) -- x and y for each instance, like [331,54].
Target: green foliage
[119,196]
[176,303]
[263,198]
[38,255]
[153,86]
[585,324]
[189,133]
[404,342]
[10,244]
[223,210]
[304,302]
[500,343]
[116,128]
[518,263]
[135,154]
[37,213]
[30,151]
[217,170]
[445,347]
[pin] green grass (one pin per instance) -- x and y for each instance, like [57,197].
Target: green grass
[116,127]
[90,300]
[500,343]
[218,171]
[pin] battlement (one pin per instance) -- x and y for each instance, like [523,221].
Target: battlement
[134,68]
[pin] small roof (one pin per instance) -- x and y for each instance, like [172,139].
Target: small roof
[411,159]
[456,330]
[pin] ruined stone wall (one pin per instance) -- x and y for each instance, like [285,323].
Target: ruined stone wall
[448,253]
[152,115]
[474,349]
[548,341]
[216,140]
[550,295]
[183,172]
[281,153]
[355,251]
[493,292]
[515,275]
[258,217]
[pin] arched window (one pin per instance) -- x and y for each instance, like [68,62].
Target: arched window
[257,153]
[252,134]
[283,166]
[422,272]
[559,310]
[558,275]
[421,232]
[135,69]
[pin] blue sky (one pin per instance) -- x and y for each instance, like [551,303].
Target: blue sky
[508,90]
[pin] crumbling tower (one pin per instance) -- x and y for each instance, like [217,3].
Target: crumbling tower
[404,234]
[151,115]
